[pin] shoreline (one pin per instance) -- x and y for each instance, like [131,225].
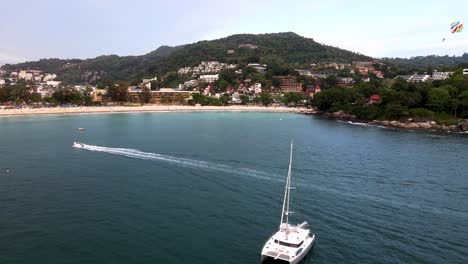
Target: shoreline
[143,109]
[424,126]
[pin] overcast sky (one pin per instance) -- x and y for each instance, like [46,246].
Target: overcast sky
[34,29]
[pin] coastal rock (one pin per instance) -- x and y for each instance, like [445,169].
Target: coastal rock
[385,123]
[433,123]
[444,128]
[453,128]
[412,125]
[338,114]
[425,125]
[394,123]
[464,125]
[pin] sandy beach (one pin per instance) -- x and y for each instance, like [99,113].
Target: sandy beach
[145,108]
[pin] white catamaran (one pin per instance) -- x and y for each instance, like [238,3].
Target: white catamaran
[292,242]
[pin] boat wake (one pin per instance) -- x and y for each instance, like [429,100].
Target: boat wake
[183,162]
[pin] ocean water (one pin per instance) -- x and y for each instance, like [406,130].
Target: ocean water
[206,188]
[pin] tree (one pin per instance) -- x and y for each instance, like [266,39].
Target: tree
[166,99]
[331,81]
[244,99]
[265,99]
[439,99]
[145,96]
[395,111]
[224,99]
[293,98]
[336,96]
[118,92]
[68,96]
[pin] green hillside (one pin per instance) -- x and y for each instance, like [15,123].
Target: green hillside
[278,48]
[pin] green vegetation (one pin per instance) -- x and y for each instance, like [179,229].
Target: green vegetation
[275,49]
[145,96]
[442,101]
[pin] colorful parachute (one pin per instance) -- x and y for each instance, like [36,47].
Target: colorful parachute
[456,27]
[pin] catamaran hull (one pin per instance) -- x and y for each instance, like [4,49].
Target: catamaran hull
[298,258]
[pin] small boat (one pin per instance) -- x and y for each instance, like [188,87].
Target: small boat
[81,129]
[290,243]
[78,145]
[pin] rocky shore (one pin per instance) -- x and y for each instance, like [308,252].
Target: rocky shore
[408,124]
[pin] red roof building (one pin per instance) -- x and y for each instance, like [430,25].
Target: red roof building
[375,99]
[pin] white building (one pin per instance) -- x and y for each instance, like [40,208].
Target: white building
[440,75]
[465,71]
[44,92]
[147,82]
[28,76]
[261,68]
[236,98]
[2,82]
[53,83]
[49,77]
[209,78]
[191,83]
[420,78]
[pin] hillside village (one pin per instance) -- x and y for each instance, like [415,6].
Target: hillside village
[207,80]
[279,69]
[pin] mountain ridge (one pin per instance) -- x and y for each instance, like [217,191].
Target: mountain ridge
[270,48]
[285,48]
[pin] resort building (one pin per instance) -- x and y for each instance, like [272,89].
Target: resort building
[98,95]
[420,78]
[440,75]
[163,96]
[53,83]
[289,84]
[345,81]
[209,78]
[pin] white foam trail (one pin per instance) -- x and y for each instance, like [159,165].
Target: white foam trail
[184,162]
[204,165]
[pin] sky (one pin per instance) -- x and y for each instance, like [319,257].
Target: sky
[34,29]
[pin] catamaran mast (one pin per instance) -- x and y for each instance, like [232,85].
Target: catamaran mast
[287,191]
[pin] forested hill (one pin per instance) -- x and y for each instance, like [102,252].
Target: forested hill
[426,63]
[277,48]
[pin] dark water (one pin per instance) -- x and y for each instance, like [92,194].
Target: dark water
[206,188]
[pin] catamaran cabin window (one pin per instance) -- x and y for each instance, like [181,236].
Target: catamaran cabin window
[288,244]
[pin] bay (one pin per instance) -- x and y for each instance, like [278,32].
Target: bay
[206,188]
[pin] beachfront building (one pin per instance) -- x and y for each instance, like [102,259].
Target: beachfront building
[98,95]
[289,84]
[147,82]
[210,78]
[163,96]
[45,92]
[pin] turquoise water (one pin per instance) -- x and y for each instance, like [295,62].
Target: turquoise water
[206,188]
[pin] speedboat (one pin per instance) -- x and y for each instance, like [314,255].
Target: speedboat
[78,145]
[290,243]
[81,129]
